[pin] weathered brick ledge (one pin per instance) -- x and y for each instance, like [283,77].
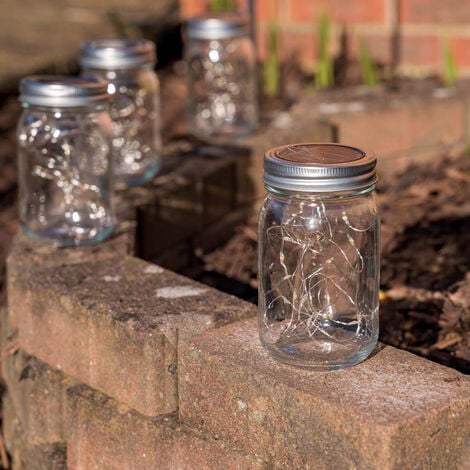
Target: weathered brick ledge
[127,365]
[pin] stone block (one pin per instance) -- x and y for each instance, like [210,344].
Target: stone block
[8,336]
[187,197]
[393,411]
[23,454]
[26,254]
[107,435]
[177,257]
[50,457]
[287,128]
[413,125]
[38,395]
[114,324]
[355,11]
[10,424]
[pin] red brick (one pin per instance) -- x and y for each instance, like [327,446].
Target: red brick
[420,50]
[192,7]
[108,325]
[379,46]
[438,12]
[27,254]
[460,48]
[10,424]
[261,44]
[405,125]
[196,7]
[24,455]
[390,410]
[339,11]
[106,435]
[301,46]
[267,11]
[183,201]
[298,129]
[50,456]
[38,395]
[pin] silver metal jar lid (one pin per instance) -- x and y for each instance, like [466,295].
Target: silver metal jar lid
[117,53]
[216,27]
[59,91]
[318,168]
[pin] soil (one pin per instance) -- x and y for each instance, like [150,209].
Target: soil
[425,266]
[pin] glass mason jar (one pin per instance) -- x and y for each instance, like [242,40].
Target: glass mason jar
[222,94]
[128,67]
[64,170]
[319,256]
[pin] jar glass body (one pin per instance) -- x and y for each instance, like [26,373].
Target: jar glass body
[222,88]
[135,113]
[65,174]
[319,278]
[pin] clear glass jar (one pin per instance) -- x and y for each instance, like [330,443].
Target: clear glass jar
[128,67]
[222,87]
[64,169]
[319,256]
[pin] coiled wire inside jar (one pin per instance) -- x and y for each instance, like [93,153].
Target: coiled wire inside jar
[64,170]
[318,257]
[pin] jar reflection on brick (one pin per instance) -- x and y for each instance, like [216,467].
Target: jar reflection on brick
[222,95]
[64,166]
[127,66]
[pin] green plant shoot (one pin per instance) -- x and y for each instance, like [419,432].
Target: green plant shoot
[324,71]
[368,68]
[450,66]
[271,70]
[222,5]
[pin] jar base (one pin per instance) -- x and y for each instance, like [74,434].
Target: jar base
[223,135]
[137,179]
[61,237]
[309,356]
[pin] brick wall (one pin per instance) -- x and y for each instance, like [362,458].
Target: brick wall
[114,363]
[420,27]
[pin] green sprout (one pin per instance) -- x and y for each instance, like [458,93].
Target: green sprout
[271,71]
[222,5]
[324,72]
[450,66]
[368,68]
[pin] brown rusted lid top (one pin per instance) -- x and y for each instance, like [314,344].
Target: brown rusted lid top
[318,167]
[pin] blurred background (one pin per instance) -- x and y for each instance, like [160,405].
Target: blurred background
[411,37]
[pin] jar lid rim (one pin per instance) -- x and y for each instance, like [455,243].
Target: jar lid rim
[117,53]
[319,167]
[216,26]
[62,91]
